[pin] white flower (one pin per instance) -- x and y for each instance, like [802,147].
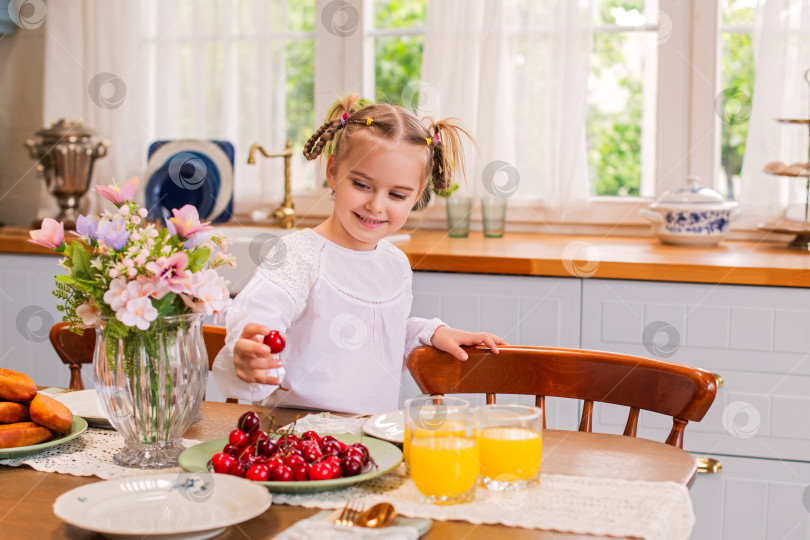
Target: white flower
[117,295]
[143,212]
[137,312]
[207,292]
[88,312]
[124,210]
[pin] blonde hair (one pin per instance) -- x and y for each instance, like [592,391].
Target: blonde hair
[441,140]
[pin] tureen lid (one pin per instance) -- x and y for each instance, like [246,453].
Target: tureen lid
[691,193]
[64,128]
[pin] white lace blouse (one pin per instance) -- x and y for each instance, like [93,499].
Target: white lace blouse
[345,314]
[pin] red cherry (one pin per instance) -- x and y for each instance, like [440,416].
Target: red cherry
[352,466]
[222,462]
[232,449]
[320,471]
[293,459]
[282,473]
[239,468]
[300,472]
[258,473]
[274,462]
[311,435]
[267,447]
[237,437]
[326,438]
[354,452]
[275,341]
[255,435]
[359,447]
[311,453]
[330,447]
[248,422]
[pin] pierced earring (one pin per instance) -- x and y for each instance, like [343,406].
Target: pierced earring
[332,195]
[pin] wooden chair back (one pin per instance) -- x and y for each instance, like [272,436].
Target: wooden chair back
[682,392]
[75,349]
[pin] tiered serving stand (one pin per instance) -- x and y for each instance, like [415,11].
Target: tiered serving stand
[798,170]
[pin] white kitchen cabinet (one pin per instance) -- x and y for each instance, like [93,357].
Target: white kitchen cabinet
[757,339]
[520,309]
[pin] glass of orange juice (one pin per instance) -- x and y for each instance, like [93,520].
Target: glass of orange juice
[426,414]
[442,440]
[510,439]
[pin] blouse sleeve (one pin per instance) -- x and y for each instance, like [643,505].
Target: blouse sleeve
[419,332]
[274,297]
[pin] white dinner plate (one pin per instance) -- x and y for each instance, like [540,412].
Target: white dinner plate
[84,403]
[165,506]
[388,426]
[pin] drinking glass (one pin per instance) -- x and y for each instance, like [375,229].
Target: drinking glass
[493,213]
[458,216]
[511,445]
[441,442]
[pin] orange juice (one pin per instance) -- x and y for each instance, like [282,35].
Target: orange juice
[510,453]
[444,465]
[448,427]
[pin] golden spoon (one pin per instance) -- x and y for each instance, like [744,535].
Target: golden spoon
[378,516]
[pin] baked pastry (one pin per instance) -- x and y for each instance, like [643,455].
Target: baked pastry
[11,413]
[23,434]
[48,412]
[15,386]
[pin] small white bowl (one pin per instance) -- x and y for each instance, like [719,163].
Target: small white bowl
[691,216]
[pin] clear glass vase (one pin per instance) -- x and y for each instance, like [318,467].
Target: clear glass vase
[150,384]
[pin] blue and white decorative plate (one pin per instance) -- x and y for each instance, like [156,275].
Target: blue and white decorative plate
[193,172]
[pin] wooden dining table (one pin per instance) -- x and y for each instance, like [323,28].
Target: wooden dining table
[27,496]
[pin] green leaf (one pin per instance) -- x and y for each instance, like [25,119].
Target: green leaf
[164,306]
[81,260]
[198,259]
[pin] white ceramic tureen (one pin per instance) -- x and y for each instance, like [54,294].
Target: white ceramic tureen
[691,216]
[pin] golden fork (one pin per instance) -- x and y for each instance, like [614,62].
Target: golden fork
[350,513]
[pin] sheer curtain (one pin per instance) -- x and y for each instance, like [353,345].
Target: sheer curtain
[516,74]
[782,56]
[137,72]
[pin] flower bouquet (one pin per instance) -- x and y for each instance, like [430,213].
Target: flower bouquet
[146,290]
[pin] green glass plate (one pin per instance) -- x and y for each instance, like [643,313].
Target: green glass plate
[78,427]
[384,453]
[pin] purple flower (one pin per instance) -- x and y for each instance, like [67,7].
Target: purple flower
[86,227]
[113,233]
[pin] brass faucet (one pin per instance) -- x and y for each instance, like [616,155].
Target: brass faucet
[284,214]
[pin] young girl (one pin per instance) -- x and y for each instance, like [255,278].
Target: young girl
[340,291]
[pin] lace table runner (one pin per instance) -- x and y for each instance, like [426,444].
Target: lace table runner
[652,510]
[89,454]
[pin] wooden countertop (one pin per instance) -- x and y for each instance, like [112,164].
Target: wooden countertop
[527,254]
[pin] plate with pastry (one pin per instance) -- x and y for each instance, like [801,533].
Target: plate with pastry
[12,436]
[85,403]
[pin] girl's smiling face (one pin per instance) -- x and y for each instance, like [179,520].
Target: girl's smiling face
[376,182]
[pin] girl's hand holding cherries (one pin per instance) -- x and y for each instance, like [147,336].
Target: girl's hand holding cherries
[253,454]
[254,354]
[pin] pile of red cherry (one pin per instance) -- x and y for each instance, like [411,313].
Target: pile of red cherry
[253,454]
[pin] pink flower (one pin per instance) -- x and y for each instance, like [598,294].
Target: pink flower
[119,194]
[207,292]
[88,312]
[171,270]
[51,234]
[137,312]
[186,222]
[116,296]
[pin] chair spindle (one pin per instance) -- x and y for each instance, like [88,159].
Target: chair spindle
[586,423]
[540,401]
[490,399]
[632,422]
[676,435]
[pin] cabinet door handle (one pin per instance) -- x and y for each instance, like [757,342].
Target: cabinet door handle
[708,465]
[719,379]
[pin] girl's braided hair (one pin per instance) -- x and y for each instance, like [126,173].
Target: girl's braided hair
[442,140]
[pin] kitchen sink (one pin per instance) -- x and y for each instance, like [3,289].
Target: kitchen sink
[250,244]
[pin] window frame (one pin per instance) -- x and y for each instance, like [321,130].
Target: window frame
[686,133]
